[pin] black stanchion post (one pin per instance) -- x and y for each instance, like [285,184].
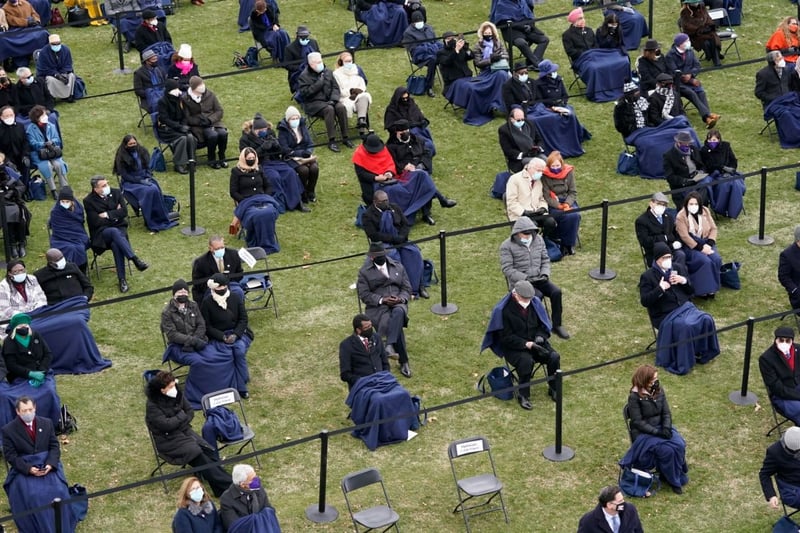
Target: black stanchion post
[761,239]
[602,273]
[319,513]
[650,19]
[193,230]
[443,308]
[57,505]
[121,69]
[559,452]
[4,227]
[743,397]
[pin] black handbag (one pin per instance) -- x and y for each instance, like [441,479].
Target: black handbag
[49,151]
[78,17]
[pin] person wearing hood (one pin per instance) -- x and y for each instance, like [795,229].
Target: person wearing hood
[181,320]
[558,187]
[19,292]
[403,107]
[523,257]
[151,31]
[173,126]
[701,29]
[295,140]
[780,370]
[168,417]
[61,280]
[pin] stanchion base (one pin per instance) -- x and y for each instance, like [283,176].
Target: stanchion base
[566,454]
[766,241]
[737,398]
[609,274]
[189,232]
[328,515]
[439,309]
[122,71]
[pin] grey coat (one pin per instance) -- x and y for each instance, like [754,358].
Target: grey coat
[518,261]
[318,90]
[372,286]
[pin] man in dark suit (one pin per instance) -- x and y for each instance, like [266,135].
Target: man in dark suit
[781,373]
[789,269]
[665,286]
[61,279]
[218,259]
[612,514]
[384,288]
[519,89]
[28,434]
[772,81]
[656,225]
[107,218]
[362,353]
[244,497]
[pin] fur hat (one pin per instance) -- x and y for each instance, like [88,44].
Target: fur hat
[575,15]
[660,249]
[524,289]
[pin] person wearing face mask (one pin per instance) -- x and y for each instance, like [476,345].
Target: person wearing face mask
[296,53]
[682,58]
[453,60]
[561,194]
[649,65]
[204,115]
[30,92]
[67,231]
[168,417]
[267,31]
[727,197]
[525,197]
[321,98]
[683,167]
[519,89]
[19,292]
[695,21]
[196,512]
[8,90]
[245,497]
[519,139]
[609,34]
[385,289]
[26,355]
[550,89]
[782,460]
[630,111]
[14,141]
[183,67]
[772,81]
[152,30]
[46,148]
[61,279]
[18,216]
[20,14]
[298,148]
[517,22]
[577,38]
[403,107]
[698,232]
[173,126]
[362,353]
[664,103]
[218,260]
[385,19]
[785,39]
[419,40]
[780,370]
[657,225]
[656,443]
[490,52]
[353,93]
[148,82]
[256,209]
[612,513]
[54,64]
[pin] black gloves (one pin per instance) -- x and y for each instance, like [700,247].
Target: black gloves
[666,433]
[184,128]
[205,121]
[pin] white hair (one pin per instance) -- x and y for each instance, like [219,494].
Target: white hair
[314,56]
[240,473]
[23,71]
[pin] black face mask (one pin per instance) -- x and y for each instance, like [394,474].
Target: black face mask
[367,333]
[383,206]
[655,387]
[221,292]
[450,45]
[250,162]
[405,137]
[380,260]
[404,100]
[182,299]
[23,332]
[131,148]
[487,38]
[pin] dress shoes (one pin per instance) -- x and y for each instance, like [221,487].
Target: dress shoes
[348,143]
[180,169]
[333,147]
[140,265]
[447,202]
[126,47]
[430,93]
[711,120]
[525,403]
[215,165]
[677,489]
[561,332]
[423,293]
[21,251]
[123,285]
[223,164]
[552,394]
[428,220]
[405,370]
[312,198]
[391,353]
[14,251]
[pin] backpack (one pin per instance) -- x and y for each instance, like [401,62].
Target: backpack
[251,57]
[66,422]
[429,276]
[416,401]
[497,379]
[158,162]
[79,89]
[239,61]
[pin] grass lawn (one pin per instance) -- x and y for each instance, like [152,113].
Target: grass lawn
[295,387]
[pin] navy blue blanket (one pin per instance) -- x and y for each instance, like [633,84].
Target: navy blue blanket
[668,455]
[258,214]
[559,132]
[604,71]
[633,26]
[221,424]
[503,10]
[409,255]
[686,322]
[727,197]
[286,186]
[651,143]
[785,110]
[68,234]
[22,42]
[412,191]
[48,404]
[425,134]
[150,200]
[263,521]
[69,337]
[386,23]
[499,186]
[479,96]
[376,397]
[491,339]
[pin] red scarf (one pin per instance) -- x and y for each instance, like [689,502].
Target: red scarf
[565,170]
[375,163]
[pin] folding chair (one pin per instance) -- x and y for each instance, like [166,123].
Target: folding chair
[257,287]
[144,115]
[147,375]
[416,69]
[653,472]
[311,120]
[720,18]
[515,375]
[377,516]
[94,265]
[172,365]
[225,398]
[769,127]
[478,485]
[777,417]
[577,79]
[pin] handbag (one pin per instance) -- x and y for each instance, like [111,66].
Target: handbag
[500,65]
[353,39]
[636,483]
[785,525]
[80,503]
[729,275]
[628,164]
[56,19]
[78,17]
[497,379]
[415,85]
[49,151]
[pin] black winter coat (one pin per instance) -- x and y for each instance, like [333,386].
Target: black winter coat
[517,93]
[576,41]
[219,320]
[660,303]
[372,223]
[676,171]
[413,152]
[170,422]
[317,89]
[721,156]
[116,207]
[649,232]
[246,183]
[20,360]
[780,380]
[551,92]
[648,71]
[648,415]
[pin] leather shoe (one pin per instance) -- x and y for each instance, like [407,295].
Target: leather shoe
[525,403]
[22,251]
[391,353]
[126,47]
[304,208]
[123,285]
[423,293]
[180,169]
[561,332]
[223,164]
[431,94]
[405,370]
[215,165]
[447,202]
[333,147]
[244,394]
[676,489]
[552,394]
[348,143]
[428,220]
[140,265]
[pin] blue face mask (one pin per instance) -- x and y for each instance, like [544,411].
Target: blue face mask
[304,42]
[28,81]
[684,148]
[219,254]
[518,123]
[294,123]
[55,47]
[523,78]
[255,483]
[555,170]
[262,133]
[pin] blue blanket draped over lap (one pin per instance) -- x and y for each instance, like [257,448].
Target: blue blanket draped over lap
[377,397]
[411,193]
[150,200]
[48,404]
[258,214]
[286,186]
[409,255]
[385,22]
[668,455]
[559,132]
[424,52]
[68,233]
[29,492]
[686,322]
[727,197]
[651,143]
[501,10]
[633,26]
[22,42]
[604,72]
[491,339]
[264,521]
[479,96]
[785,110]
[69,337]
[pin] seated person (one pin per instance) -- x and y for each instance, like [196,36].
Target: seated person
[35,473]
[256,210]
[525,198]
[385,289]
[150,31]
[630,111]
[295,140]
[489,52]
[183,67]
[656,443]
[523,256]
[218,259]
[320,95]
[683,167]
[550,88]
[244,497]
[561,195]
[31,91]
[609,34]
[786,40]
[375,169]
[353,93]
[8,90]
[720,161]
[632,24]
[681,57]
[226,322]
[519,89]
[362,353]
[67,232]
[149,82]
[54,64]
[782,461]
[515,18]
[296,53]
[376,397]
[46,146]
[519,139]
[107,218]
[204,115]
[18,217]
[19,292]
[386,20]
[20,14]
[788,270]
[780,373]
[132,165]
[173,126]
[267,31]
[657,225]
[453,59]
[169,419]
[554,118]
[402,106]
[697,230]
[61,279]
[421,46]
[384,223]
[286,186]
[650,64]
[577,38]
[772,81]
[14,142]
[701,29]
[664,103]
[196,511]
[665,291]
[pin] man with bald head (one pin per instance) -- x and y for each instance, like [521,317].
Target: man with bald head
[61,279]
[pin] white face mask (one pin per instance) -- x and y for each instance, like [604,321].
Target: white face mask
[784,347]
[537,175]
[319,67]
[781,64]
[44,119]
[66,205]
[419,25]
[20,278]
[172,393]
[523,78]
[61,263]
[196,495]
[554,75]
[175,92]
[8,121]
[659,210]
[524,304]
[527,241]
[154,22]
[666,264]
[693,208]
[106,190]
